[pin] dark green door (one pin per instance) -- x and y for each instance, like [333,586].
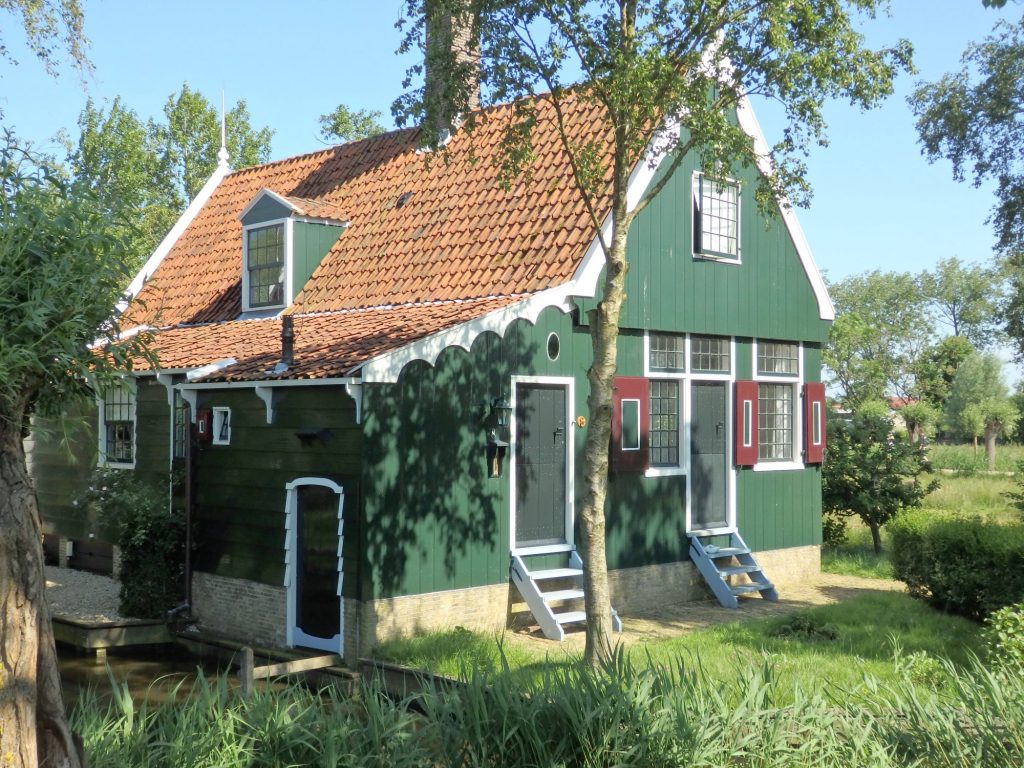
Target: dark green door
[317,605]
[708,456]
[541,461]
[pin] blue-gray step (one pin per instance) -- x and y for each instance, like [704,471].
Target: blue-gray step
[530,583]
[714,564]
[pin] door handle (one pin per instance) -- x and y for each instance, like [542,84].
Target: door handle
[558,431]
[719,427]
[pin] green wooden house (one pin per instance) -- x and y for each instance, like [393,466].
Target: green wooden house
[382,366]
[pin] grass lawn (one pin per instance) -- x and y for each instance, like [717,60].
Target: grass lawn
[963,457]
[865,627]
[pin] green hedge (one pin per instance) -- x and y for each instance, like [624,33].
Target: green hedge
[963,565]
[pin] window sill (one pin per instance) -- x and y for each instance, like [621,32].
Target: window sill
[115,465]
[665,472]
[737,260]
[777,466]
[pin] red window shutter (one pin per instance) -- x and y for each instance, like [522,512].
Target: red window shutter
[746,423]
[814,422]
[630,424]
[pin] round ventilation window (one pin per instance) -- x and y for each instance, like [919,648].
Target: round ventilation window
[553,346]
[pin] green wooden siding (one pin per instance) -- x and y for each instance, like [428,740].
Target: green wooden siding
[768,295]
[311,242]
[267,209]
[434,520]
[62,465]
[241,487]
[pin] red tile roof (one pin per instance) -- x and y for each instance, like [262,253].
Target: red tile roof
[419,233]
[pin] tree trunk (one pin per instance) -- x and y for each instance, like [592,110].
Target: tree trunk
[33,726]
[991,430]
[975,440]
[604,334]
[876,537]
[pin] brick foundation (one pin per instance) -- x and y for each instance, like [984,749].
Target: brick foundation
[257,612]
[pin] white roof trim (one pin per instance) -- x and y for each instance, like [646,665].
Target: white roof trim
[749,123]
[172,237]
[211,368]
[267,192]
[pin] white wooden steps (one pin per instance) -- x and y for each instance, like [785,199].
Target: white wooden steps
[554,607]
[718,563]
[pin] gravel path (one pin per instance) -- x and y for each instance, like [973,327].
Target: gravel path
[81,595]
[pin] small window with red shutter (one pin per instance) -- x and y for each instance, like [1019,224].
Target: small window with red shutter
[630,424]
[814,422]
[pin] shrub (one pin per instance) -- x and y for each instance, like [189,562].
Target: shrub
[922,669]
[833,531]
[803,626]
[151,540]
[963,565]
[1004,638]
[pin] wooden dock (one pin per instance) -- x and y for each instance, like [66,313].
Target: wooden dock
[98,637]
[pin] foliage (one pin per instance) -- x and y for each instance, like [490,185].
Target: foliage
[50,25]
[641,63]
[961,458]
[870,473]
[979,402]
[966,297]
[965,565]
[1016,496]
[833,530]
[151,539]
[877,335]
[345,124]
[936,367]
[1004,638]
[62,269]
[806,627]
[972,118]
[146,173]
[921,417]
[920,668]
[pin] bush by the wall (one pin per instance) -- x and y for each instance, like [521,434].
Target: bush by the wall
[151,540]
[963,565]
[1004,638]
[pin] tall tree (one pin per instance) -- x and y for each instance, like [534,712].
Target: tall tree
[189,140]
[51,27]
[966,297]
[936,368]
[61,271]
[881,328]
[643,62]
[146,173]
[346,124]
[979,402]
[975,119]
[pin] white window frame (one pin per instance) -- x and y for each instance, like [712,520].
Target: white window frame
[288,232]
[694,207]
[221,413]
[795,380]
[130,384]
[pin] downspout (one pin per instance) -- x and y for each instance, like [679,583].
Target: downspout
[189,481]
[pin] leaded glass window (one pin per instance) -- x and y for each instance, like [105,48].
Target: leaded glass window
[668,353]
[709,354]
[119,424]
[664,426]
[717,217]
[776,357]
[265,254]
[775,422]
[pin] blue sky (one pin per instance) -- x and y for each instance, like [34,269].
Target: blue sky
[878,204]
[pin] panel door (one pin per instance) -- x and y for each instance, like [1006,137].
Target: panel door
[709,464]
[541,462]
[317,604]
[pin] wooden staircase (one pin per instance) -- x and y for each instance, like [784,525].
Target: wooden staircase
[554,595]
[717,564]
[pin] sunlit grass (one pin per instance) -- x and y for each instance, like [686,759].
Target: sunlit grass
[964,457]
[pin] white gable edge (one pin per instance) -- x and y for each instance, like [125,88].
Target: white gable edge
[171,237]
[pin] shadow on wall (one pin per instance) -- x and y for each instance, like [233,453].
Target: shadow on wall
[435,519]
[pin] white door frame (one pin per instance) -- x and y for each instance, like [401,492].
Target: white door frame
[293,635]
[569,383]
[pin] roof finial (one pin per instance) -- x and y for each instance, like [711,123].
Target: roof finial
[222,155]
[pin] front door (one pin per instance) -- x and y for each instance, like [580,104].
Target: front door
[709,467]
[541,465]
[315,543]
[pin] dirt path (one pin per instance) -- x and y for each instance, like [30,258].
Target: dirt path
[674,620]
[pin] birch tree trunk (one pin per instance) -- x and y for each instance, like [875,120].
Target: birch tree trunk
[33,726]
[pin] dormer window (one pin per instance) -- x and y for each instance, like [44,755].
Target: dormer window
[265,263]
[284,239]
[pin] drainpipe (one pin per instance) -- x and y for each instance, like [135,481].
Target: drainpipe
[189,482]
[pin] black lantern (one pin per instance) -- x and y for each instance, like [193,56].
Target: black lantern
[502,411]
